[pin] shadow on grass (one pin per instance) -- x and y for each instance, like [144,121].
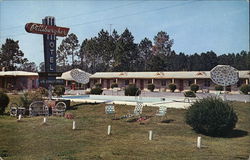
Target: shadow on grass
[167,121]
[236,133]
[74,107]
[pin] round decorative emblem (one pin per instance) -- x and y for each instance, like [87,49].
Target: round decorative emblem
[79,76]
[224,75]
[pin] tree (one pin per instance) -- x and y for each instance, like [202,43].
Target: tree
[62,58]
[11,57]
[28,66]
[106,47]
[162,44]
[145,52]
[42,67]
[126,53]
[91,54]
[69,47]
[82,55]
[157,62]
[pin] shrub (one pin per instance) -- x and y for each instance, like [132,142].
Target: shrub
[59,90]
[98,85]
[43,91]
[28,97]
[114,85]
[151,87]
[194,87]
[218,88]
[245,88]
[189,94]
[4,101]
[172,87]
[132,90]
[211,116]
[96,90]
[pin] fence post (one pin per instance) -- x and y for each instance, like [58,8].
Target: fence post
[199,142]
[74,125]
[150,137]
[109,129]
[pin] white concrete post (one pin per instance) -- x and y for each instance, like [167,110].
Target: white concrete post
[199,142]
[74,125]
[44,119]
[150,136]
[109,129]
[133,81]
[152,81]
[116,80]
[195,81]
[19,117]
[100,81]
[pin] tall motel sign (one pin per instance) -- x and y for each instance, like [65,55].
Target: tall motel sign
[50,31]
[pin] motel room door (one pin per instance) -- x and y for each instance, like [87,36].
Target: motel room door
[108,83]
[181,85]
[141,84]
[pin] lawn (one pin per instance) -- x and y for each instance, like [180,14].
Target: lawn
[32,140]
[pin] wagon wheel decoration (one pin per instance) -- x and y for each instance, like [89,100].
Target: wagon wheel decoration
[80,76]
[224,75]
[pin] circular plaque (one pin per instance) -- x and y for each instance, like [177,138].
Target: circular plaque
[224,75]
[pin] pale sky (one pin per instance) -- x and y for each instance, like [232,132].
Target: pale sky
[195,26]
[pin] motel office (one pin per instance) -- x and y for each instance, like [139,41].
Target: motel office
[161,80]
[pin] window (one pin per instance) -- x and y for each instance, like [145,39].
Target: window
[149,81]
[126,82]
[163,82]
[207,83]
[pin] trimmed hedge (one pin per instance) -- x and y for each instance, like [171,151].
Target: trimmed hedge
[218,88]
[97,91]
[245,88]
[172,87]
[59,90]
[98,85]
[114,85]
[211,116]
[132,90]
[189,94]
[151,87]
[4,101]
[194,87]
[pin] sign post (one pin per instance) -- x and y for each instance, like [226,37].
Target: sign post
[50,31]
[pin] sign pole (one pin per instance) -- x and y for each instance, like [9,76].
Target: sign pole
[50,31]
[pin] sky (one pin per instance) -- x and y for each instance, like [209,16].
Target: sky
[196,26]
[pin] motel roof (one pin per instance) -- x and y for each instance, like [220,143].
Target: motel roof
[162,75]
[17,73]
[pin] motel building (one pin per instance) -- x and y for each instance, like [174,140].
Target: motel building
[18,80]
[161,80]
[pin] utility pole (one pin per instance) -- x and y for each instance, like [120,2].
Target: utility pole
[110,26]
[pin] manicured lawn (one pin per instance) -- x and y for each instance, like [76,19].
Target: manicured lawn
[31,140]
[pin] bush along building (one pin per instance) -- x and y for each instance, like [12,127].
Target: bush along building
[182,79]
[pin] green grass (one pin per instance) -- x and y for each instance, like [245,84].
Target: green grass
[31,140]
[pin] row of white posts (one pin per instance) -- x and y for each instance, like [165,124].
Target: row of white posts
[150,133]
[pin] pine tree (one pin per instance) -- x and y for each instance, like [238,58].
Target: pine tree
[11,57]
